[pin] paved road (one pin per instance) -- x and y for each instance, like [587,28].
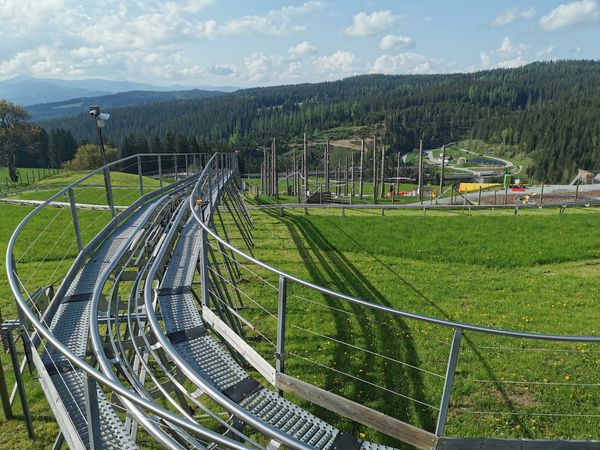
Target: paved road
[438,161]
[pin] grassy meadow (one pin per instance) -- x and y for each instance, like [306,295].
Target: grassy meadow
[44,252]
[537,272]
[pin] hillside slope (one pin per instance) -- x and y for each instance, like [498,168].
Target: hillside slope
[549,110]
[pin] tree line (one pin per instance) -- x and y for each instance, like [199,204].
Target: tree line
[548,110]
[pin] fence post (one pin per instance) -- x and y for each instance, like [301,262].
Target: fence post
[92,413]
[75,221]
[204,266]
[19,379]
[281,314]
[186,166]
[176,176]
[160,171]
[3,390]
[109,193]
[139,167]
[450,371]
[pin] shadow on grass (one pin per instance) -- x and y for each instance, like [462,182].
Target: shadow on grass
[329,267]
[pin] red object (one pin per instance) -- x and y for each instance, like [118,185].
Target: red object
[517,189]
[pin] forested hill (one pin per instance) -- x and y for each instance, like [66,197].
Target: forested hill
[43,111]
[551,110]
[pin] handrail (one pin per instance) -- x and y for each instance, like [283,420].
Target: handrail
[375,306]
[203,384]
[82,179]
[97,344]
[45,333]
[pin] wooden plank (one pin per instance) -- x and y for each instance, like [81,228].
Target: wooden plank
[359,413]
[247,352]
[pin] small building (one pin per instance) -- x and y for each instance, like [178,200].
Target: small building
[585,177]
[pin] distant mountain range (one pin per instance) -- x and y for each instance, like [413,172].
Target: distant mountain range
[107,102]
[27,91]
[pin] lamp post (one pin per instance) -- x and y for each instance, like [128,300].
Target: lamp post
[101,119]
[442,171]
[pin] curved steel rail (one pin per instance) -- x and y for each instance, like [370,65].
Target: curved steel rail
[203,384]
[108,382]
[375,306]
[219,164]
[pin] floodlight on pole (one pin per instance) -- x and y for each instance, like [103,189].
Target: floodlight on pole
[101,119]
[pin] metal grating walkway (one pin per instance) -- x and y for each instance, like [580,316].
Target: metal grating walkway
[70,325]
[213,363]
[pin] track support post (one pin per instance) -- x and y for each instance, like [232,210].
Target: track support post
[450,371]
[14,358]
[92,413]
[204,267]
[75,220]
[281,315]
[139,167]
[160,180]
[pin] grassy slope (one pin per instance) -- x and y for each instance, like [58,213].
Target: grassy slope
[53,246]
[485,269]
[51,234]
[522,273]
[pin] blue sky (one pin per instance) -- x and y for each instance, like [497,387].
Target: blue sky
[268,42]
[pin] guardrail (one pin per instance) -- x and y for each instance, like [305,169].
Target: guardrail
[272,299]
[266,317]
[36,316]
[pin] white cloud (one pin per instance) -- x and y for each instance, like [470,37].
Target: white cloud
[545,51]
[390,41]
[507,55]
[302,48]
[513,14]
[569,15]
[276,22]
[257,66]
[221,69]
[369,24]
[407,62]
[337,64]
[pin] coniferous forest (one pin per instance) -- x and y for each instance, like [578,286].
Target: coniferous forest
[550,110]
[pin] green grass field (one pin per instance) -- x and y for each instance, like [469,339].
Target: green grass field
[536,272]
[526,273]
[27,176]
[45,251]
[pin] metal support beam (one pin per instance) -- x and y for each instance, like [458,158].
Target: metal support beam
[139,167]
[3,389]
[92,413]
[450,371]
[160,180]
[12,348]
[374,170]
[204,267]
[281,314]
[420,191]
[305,168]
[361,189]
[442,173]
[75,221]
